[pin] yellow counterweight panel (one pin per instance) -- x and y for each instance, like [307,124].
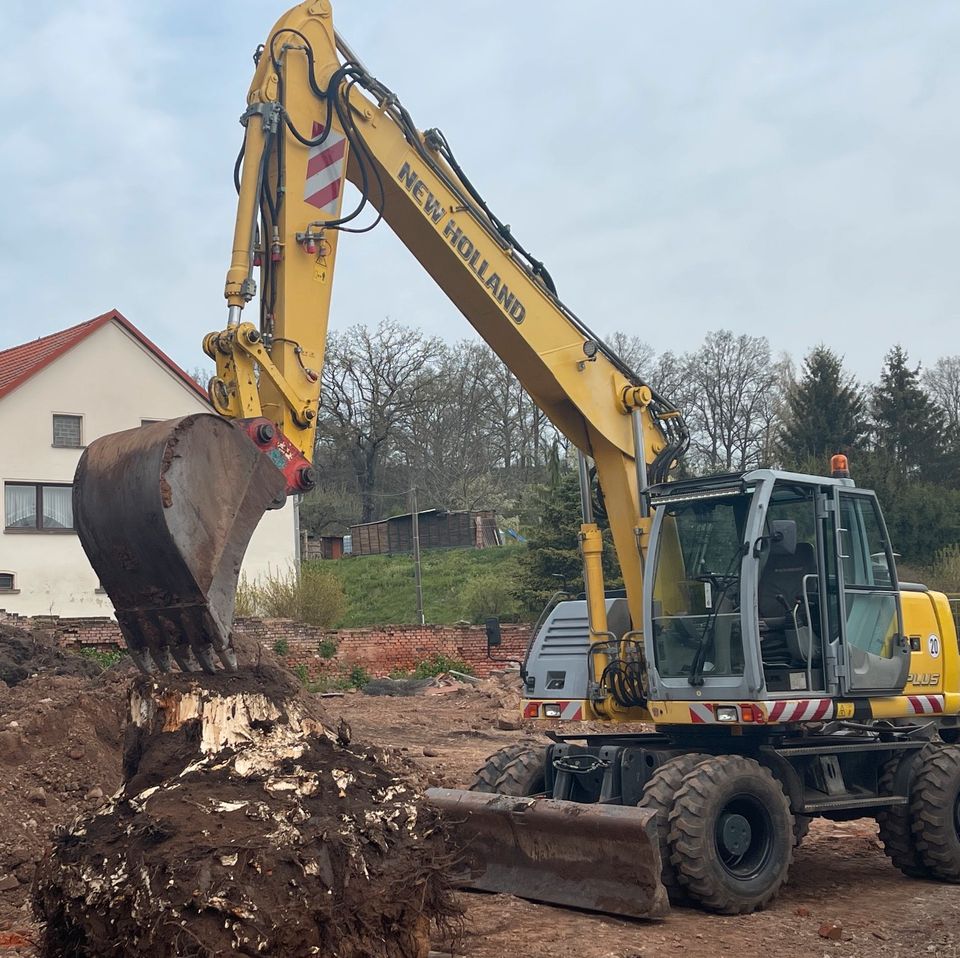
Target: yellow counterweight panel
[934,655]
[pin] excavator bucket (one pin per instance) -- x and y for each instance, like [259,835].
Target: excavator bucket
[596,857]
[164,514]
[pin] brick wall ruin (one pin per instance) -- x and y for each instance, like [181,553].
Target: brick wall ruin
[379,650]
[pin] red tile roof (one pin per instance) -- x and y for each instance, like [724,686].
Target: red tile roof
[19,363]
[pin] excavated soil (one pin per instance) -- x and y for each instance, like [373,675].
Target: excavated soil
[245,826]
[61,728]
[841,882]
[23,654]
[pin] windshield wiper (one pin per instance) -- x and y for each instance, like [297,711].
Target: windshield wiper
[700,656]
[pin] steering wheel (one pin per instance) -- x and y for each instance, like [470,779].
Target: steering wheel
[717,580]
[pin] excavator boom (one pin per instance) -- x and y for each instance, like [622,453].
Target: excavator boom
[165,512]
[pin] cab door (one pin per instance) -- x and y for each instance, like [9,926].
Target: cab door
[877,653]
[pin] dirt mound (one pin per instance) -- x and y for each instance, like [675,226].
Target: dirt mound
[23,654]
[245,826]
[60,750]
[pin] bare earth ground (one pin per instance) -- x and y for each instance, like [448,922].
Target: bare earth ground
[840,874]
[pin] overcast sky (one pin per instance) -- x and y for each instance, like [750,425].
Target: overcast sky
[787,169]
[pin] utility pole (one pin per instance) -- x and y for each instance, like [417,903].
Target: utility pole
[298,549]
[415,521]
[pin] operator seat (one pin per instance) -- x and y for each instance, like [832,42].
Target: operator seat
[781,581]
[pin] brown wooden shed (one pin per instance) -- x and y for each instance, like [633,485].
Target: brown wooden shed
[439,529]
[324,547]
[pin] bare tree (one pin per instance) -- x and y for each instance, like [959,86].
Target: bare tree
[637,353]
[373,382]
[732,386]
[447,444]
[942,382]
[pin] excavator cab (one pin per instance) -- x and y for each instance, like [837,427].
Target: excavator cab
[771,584]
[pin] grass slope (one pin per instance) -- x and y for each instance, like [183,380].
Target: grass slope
[380,589]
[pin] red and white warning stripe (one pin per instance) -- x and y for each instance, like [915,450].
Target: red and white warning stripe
[701,714]
[800,710]
[926,704]
[325,169]
[570,711]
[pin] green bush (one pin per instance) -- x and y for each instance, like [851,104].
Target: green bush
[103,657]
[329,683]
[302,673]
[490,594]
[437,664]
[281,647]
[944,573]
[327,649]
[358,677]
[315,596]
[245,606]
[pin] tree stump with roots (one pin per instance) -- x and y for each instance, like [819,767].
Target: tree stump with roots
[245,825]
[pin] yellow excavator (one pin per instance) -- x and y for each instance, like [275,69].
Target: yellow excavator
[782,670]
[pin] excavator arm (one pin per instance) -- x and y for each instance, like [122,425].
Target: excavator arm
[165,512]
[316,118]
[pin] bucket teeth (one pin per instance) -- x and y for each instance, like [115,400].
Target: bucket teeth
[163,658]
[229,658]
[185,658]
[204,655]
[164,514]
[142,659]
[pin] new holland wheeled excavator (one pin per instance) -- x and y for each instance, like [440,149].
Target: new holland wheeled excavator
[762,634]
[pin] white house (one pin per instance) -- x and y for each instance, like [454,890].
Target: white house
[57,394]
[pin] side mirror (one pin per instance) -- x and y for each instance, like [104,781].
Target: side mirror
[494,639]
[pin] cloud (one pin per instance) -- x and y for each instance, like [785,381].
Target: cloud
[776,169]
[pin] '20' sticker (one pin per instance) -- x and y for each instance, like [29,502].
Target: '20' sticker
[933,646]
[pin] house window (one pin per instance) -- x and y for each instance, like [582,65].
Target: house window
[35,507]
[7,582]
[66,431]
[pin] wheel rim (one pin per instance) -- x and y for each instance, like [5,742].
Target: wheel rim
[744,837]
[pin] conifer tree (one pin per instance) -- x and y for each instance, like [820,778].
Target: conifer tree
[824,413]
[552,559]
[909,429]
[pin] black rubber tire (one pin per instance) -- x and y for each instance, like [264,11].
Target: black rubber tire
[723,792]
[525,774]
[485,777]
[896,830]
[801,825]
[935,810]
[659,794]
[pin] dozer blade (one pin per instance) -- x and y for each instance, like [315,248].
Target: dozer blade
[597,857]
[165,513]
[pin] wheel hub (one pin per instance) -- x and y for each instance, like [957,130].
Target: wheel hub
[735,833]
[743,836]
